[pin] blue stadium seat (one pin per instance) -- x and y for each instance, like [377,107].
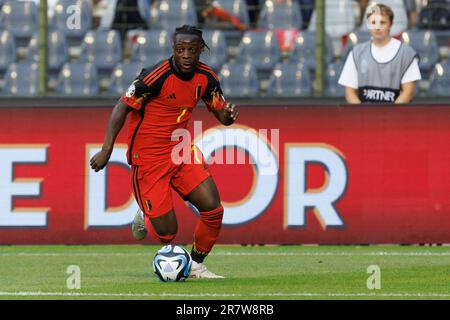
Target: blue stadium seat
[332,88]
[426,45]
[22,79]
[78,79]
[259,48]
[440,80]
[20,18]
[63,19]
[304,50]
[290,80]
[353,39]
[236,7]
[400,16]
[57,50]
[122,76]
[339,18]
[280,15]
[7,50]
[217,56]
[103,48]
[239,80]
[170,14]
[151,46]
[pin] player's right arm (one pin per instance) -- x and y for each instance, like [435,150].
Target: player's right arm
[147,85]
[115,124]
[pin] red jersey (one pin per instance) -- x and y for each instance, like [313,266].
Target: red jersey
[163,100]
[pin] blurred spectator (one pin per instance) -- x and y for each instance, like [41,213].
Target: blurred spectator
[121,15]
[306,10]
[216,18]
[435,15]
[254,6]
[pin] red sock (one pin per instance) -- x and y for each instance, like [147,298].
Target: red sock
[207,232]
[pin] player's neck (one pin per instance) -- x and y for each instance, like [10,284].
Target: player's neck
[381,42]
[182,75]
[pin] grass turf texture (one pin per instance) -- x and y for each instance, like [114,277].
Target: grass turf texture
[252,272]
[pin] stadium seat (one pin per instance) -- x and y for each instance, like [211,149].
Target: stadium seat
[339,18]
[63,19]
[400,16]
[425,44]
[22,79]
[353,39]
[440,80]
[151,46]
[239,80]
[259,48]
[304,50]
[290,80]
[7,50]
[103,48]
[170,14]
[217,55]
[20,18]
[236,7]
[57,50]
[122,76]
[280,15]
[78,79]
[332,88]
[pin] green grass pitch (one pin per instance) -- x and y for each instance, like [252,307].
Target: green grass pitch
[252,272]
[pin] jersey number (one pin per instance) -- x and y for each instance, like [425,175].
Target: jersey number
[183,112]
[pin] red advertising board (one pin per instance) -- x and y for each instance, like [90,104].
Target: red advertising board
[327,175]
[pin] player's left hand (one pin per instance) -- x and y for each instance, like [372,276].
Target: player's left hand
[231,111]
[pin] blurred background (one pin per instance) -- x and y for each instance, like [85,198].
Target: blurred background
[273,48]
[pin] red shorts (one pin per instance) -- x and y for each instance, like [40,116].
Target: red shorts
[152,183]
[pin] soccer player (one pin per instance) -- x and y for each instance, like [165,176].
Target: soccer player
[159,101]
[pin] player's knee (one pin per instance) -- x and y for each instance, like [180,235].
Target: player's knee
[211,204]
[213,217]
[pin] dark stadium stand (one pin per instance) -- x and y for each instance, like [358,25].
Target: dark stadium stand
[277,15]
[275,38]
[172,13]
[290,79]
[58,52]
[304,50]
[78,79]
[218,53]
[150,46]
[440,80]
[260,48]
[21,80]
[7,50]
[239,79]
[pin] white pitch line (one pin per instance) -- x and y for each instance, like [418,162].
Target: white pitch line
[222,295]
[120,254]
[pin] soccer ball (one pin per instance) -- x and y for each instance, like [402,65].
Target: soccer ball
[172,263]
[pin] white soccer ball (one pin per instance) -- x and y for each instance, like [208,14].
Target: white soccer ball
[172,263]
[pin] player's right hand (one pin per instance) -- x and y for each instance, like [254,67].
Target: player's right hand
[100,159]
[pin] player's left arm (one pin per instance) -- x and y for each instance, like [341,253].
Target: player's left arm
[406,92]
[227,113]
